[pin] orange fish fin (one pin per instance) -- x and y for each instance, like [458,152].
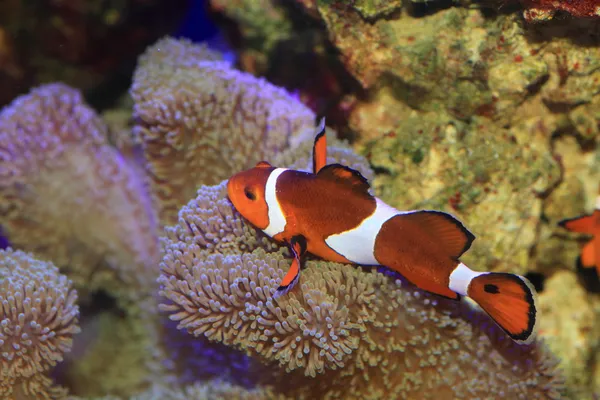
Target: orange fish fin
[588,255]
[263,164]
[320,148]
[453,237]
[345,175]
[298,248]
[583,224]
[510,301]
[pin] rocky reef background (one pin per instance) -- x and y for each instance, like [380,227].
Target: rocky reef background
[487,110]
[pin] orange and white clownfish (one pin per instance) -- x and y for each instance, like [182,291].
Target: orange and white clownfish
[588,262]
[331,214]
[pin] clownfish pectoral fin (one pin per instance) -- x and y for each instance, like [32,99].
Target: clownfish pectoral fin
[583,224]
[298,249]
[345,175]
[320,148]
[510,301]
[452,236]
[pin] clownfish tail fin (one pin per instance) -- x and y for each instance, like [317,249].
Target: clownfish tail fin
[510,300]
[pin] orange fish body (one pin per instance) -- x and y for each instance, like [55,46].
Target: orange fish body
[331,214]
[589,224]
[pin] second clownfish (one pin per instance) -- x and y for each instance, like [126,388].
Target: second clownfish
[331,214]
[588,263]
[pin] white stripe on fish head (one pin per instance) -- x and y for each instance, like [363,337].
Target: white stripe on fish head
[277,219]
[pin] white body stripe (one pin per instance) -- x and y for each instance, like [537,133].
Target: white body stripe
[461,277]
[276,218]
[358,244]
[598,203]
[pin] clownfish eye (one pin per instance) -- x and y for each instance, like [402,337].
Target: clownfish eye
[249,194]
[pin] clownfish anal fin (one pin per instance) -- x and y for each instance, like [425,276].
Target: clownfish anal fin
[345,175]
[510,301]
[320,148]
[298,248]
[583,224]
[451,234]
[588,255]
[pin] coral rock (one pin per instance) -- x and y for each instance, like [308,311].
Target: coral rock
[543,10]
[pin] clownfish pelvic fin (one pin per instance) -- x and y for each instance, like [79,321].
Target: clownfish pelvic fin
[509,299]
[298,248]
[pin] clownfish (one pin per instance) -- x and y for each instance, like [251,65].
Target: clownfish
[330,213]
[588,262]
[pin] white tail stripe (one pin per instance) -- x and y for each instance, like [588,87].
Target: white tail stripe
[598,203]
[277,220]
[461,278]
[358,244]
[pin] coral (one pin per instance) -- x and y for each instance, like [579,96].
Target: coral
[343,331]
[68,196]
[38,319]
[199,391]
[543,10]
[38,387]
[340,332]
[195,359]
[199,120]
[94,368]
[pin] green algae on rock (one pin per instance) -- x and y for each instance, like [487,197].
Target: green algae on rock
[575,340]
[491,179]
[372,9]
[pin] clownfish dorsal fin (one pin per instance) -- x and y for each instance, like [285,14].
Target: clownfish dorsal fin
[583,224]
[263,164]
[345,175]
[452,236]
[320,148]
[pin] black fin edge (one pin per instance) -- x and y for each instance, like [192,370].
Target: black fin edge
[563,222]
[354,172]
[283,289]
[470,236]
[320,134]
